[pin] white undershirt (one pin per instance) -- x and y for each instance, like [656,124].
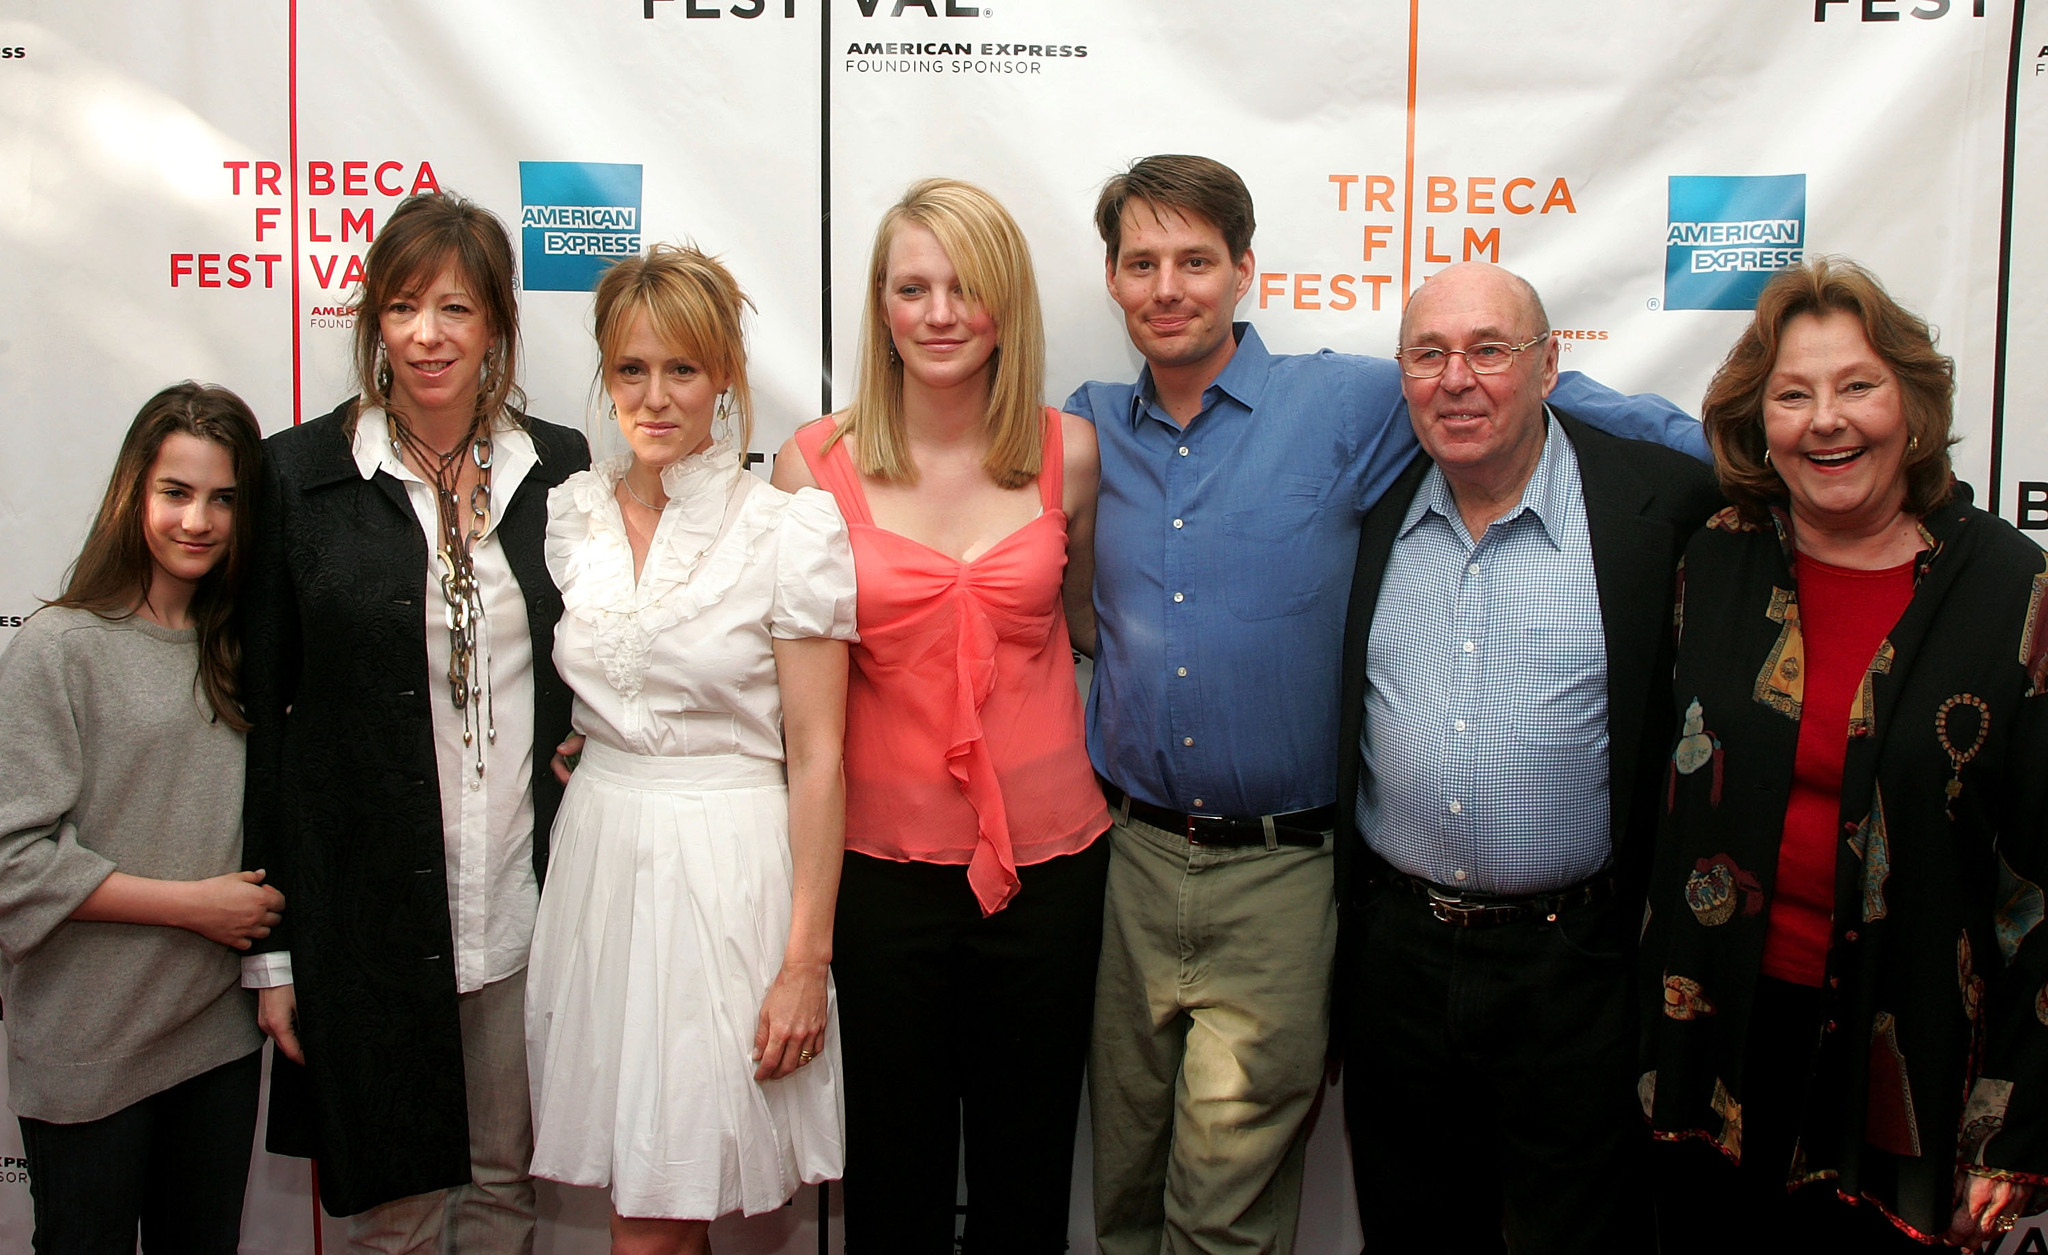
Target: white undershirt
[487,821]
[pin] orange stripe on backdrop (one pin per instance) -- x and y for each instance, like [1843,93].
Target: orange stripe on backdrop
[1408,173]
[292,118]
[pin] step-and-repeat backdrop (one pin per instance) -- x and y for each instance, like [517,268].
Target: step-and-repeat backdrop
[187,188]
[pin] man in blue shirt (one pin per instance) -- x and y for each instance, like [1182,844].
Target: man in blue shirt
[1506,705]
[1233,485]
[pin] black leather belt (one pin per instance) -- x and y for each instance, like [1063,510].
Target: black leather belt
[1479,910]
[1301,828]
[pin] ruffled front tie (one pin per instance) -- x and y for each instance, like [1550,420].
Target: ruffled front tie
[992,871]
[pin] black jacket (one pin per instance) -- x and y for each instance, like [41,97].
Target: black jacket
[1643,501]
[344,812]
[1933,1052]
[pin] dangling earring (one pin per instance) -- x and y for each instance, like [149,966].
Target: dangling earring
[895,359]
[1767,457]
[1912,444]
[721,418]
[380,371]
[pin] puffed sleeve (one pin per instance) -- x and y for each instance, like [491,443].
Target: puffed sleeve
[45,872]
[814,592]
[569,507]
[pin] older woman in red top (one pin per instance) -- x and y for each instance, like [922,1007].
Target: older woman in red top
[970,909]
[1844,963]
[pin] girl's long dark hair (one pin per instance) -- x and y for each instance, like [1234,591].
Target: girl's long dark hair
[112,574]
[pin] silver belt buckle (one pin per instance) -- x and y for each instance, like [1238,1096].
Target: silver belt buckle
[1450,908]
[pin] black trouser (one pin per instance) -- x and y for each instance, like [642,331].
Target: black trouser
[1707,1205]
[1489,1081]
[947,1016]
[175,1163]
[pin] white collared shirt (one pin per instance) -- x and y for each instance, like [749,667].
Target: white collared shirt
[487,820]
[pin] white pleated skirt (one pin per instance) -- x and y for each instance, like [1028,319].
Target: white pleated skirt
[662,924]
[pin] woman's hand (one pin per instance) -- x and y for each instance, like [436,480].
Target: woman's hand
[565,757]
[1981,1202]
[234,910]
[792,1028]
[277,1014]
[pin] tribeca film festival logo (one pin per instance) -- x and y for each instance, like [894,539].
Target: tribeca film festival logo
[576,218]
[1728,234]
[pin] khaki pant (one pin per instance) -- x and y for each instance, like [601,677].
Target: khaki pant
[493,1214]
[1212,1011]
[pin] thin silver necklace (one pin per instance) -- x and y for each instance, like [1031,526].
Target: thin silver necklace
[627,480]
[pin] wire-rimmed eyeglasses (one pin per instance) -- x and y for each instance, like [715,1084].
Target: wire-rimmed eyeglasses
[1427,361]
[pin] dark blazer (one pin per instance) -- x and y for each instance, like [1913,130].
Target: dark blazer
[343,810]
[1643,502]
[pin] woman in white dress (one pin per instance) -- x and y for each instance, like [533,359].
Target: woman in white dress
[680,1029]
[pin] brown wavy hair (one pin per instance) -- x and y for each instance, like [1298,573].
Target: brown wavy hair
[988,251]
[1733,412]
[694,305]
[1193,186]
[422,236]
[112,575]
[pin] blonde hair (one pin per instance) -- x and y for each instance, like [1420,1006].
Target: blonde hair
[988,251]
[694,306]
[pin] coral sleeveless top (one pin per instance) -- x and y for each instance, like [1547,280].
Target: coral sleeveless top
[964,738]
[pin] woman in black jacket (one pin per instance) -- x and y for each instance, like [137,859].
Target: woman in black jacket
[1843,966]
[400,625]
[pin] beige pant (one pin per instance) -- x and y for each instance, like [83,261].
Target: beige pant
[493,1214]
[1212,1012]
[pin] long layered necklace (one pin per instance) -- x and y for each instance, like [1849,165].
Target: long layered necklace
[469,681]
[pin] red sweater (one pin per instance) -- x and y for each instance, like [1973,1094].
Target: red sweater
[1843,616]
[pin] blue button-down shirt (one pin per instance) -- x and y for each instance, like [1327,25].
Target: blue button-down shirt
[1485,736]
[1223,558]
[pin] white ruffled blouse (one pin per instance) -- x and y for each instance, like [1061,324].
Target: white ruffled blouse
[680,661]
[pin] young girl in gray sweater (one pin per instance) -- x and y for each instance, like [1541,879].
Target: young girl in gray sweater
[133,1053]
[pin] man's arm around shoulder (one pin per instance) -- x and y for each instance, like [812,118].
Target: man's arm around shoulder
[1644,416]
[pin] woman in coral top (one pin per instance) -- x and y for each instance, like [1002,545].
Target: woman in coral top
[970,907]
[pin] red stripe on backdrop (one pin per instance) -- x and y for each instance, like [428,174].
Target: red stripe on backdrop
[1408,175]
[292,116]
[314,1164]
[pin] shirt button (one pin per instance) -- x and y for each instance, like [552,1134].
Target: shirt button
[474,785]
[1472,567]
[1457,807]
[1183,671]
[1459,724]
[1176,525]
[1459,874]
[1178,597]
[1198,803]
[1470,647]
[1183,450]
[1187,740]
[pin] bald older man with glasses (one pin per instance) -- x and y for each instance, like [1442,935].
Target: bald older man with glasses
[1506,703]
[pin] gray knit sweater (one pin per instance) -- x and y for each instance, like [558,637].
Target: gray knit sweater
[110,759]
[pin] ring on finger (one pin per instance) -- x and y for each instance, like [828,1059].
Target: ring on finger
[2005,1223]
[804,1056]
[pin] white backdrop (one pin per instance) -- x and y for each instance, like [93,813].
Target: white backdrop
[184,185]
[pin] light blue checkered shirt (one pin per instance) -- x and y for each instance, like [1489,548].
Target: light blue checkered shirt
[1485,738]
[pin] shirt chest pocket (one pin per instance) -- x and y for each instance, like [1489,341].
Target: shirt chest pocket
[1274,559]
[1555,682]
